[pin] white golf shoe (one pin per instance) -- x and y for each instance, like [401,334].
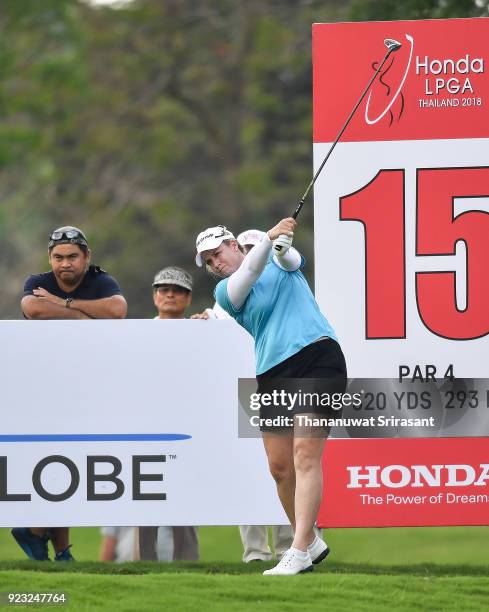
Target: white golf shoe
[294,561]
[318,550]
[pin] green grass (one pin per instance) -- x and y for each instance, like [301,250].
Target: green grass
[190,591]
[216,544]
[378,569]
[439,545]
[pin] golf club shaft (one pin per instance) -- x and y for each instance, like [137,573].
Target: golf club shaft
[302,200]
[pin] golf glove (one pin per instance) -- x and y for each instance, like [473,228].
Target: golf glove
[282,244]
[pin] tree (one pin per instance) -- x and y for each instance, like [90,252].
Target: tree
[416,9]
[146,124]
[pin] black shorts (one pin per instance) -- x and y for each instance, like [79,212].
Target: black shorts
[315,376]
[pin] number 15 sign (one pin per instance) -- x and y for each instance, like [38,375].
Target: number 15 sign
[402,207]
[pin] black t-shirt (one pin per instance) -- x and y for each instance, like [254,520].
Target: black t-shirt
[95,285]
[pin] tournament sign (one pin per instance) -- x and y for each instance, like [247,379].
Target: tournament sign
[401,256]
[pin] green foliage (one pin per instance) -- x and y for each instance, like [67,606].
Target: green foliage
[145,124]
[416,9]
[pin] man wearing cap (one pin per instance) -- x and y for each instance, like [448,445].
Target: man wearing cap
[73,289]
[172,295]
[254,537]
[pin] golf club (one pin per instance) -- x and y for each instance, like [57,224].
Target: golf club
[392,45]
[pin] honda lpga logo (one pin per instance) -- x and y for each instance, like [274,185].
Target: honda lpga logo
[398,476]
[390,93]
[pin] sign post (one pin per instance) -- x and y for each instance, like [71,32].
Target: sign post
[402,229]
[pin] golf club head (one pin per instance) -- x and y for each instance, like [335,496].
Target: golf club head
[392,45]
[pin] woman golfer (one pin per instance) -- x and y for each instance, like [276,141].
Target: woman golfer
[268,295]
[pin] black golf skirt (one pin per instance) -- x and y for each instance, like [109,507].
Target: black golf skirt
[310,382]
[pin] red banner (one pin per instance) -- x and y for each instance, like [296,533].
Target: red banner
[405,482]
[435,86]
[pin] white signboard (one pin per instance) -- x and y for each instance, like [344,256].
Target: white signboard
[401,208]
[128,423]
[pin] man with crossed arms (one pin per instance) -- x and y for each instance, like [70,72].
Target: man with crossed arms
[73,289]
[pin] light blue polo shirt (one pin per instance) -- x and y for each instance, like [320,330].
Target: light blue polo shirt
[280,313]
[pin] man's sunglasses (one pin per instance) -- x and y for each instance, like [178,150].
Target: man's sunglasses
[74,236]
[163,289]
